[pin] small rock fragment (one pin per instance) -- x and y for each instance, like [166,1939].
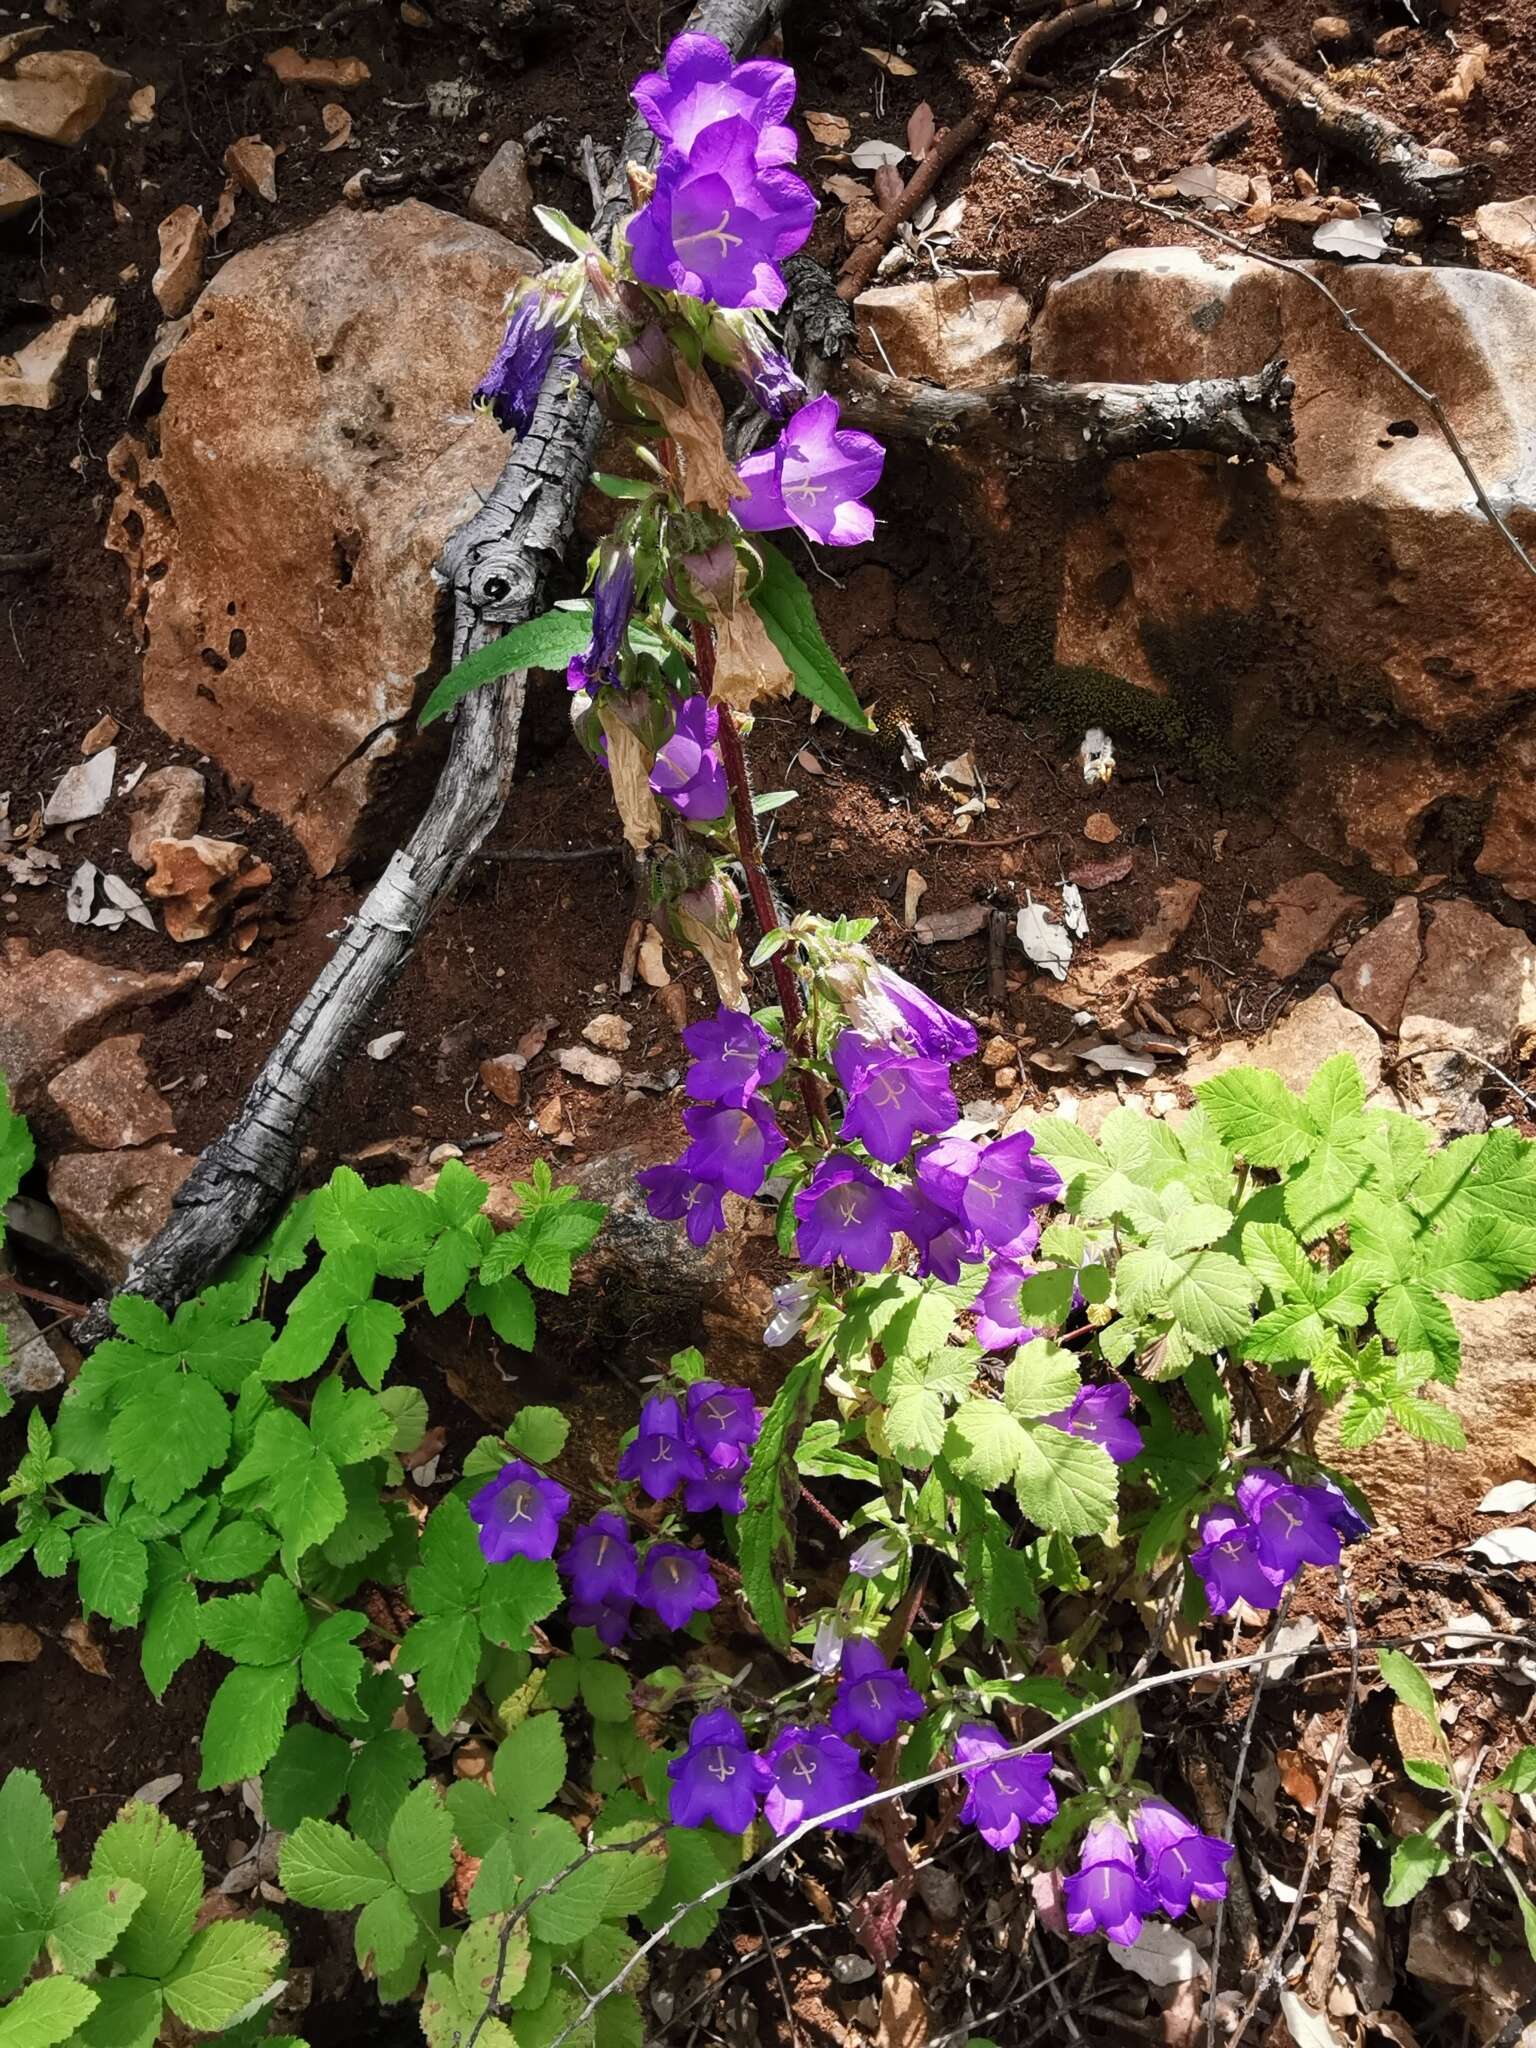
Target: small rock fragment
[109,1099]
[503,1078]
[1395,42]
[167,805]
[141,107]
[1474,990]
[183,245]
[1331,32]
[101,734]
[58,95]
[54,1005]
[502,196]
[1510,224]
[1307,912]
[33,377]
[1101,828]
[1297,1046]
[608,1032]
[338,126]
[17,189]
[600,1068]
[28,1364]
[19,1644]
[651,961]
[1379,968]
[252,164]
[190,877]
[112,1203]
[83,790]
[339,73]
[385,1046]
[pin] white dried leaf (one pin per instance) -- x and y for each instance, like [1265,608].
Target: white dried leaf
[1047,943]
[1219,190]
[83,790]
[600,1068]
[128,900]
[869,156]
[1511,1498]
[1506,1546]
[1096,756]
[961,770]
[1161,1955]
[1073,915]
[1296,1635]
[1118,1059]
[947,222]
[82,893]
[1365,238]
[894,66]
[158,1789]
[1308,2029]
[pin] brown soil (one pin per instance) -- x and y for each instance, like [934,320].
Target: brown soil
[938,625]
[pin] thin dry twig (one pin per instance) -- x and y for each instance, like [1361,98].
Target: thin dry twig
[1428,399]
[1260,1680]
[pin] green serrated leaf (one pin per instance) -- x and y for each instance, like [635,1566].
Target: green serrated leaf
[322,1865]
[1064,1483]
[984,1442]
[1253,1112]
[549,641]
[113,1574]
[89,1920]
[142,1846]
[29,1874]
[531,1765]
[306,1777]
[1042,1379]
[246,1718]
[764,1531]
[539,1433]
[48,2011]
[444,1652]
[419,1846]
[332,1666]
[268,1626]
[1415,1860]
[383,1771]
[221,1970]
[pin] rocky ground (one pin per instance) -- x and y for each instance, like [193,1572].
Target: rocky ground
[253,265]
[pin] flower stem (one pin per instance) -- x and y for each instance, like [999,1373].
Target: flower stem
[750,849]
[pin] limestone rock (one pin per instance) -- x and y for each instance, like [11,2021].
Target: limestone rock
[194,881]
[503,1077]
[166,805]
[1379,967]
[1178,567]
[1297,1046]
[1430,1493]
[183,245]
[28,1365]
[33,377]
[54,1006]
[502,196]
[112,1203]
[1307,912]
[608,1031]
[252,164]
[17,189]
[1510,224]
[58,95]
[337,74]
[316,450]
[109,1099]
[1475,990]
[959,331]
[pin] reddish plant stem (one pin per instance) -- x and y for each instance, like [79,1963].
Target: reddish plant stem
[750,848]
[58,1301]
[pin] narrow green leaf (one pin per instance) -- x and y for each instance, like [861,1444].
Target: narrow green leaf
[784,605]
[549,641]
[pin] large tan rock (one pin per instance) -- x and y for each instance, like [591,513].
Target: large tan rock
[1367,584]
[316,449]
[112,1203]
[54,1006]
[58,95]
[957,331]
[1379,967]
[33,378]
[18,188]
[1474,992]
[1430,1493]
[1510,224]
[1298,1045]
[108,1097]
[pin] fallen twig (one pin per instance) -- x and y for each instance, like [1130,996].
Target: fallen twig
[497,567]
[1420,1052]
[953,142]
[1426,398]
[1403,173]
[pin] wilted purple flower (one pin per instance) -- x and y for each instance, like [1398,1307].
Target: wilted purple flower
[1229,1565]
[717,1777]
[674,1195]
[676,1583]
[1102,1416]
[827,1646]
[843,1212]
[1341,1510]
[518,1513]
[613,599]
[721,1487]
[890,1097]
[875,1556]
[1176,1860]
[873,1698]
[733,1057]
[688,773]
[992,1188]
[724,1421]
[608,1620]
[791,1310]
[510,387]
[734,1146]
[885,1006]
[814,1772]
[813,477]
[600,1563]
[660,1454]
[717,225]
[1001,1796]
[999,1324]
[773,382]
[1292,1525]
[1106,1895]
[701,84]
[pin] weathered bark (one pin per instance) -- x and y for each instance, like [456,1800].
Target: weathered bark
[1043,419]
[1401,172]
[497,567]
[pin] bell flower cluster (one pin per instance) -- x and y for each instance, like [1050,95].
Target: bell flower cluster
[1158,1863]
[1251,1548]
